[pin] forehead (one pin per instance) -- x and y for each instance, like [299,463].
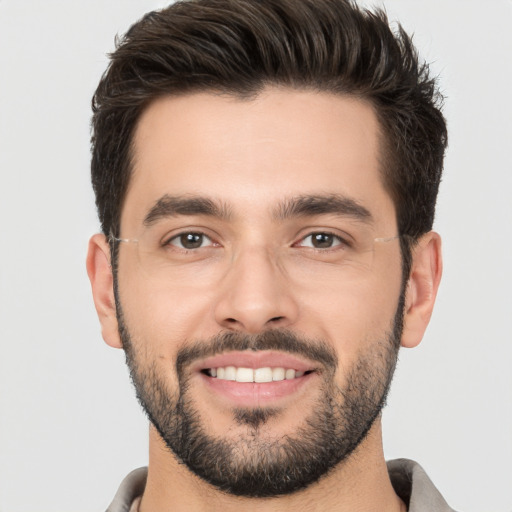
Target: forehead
[252,154]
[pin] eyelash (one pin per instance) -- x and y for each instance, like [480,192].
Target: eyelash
[341,242]
[168,242]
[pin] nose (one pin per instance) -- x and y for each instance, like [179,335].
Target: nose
[255,294]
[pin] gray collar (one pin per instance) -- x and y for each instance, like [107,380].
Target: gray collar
[415,488]
[409,480]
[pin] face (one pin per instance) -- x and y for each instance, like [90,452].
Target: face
[259,283]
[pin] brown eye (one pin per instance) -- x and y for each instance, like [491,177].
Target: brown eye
[321,240]
[190,241]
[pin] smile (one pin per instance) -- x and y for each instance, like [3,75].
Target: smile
[249,378]
[260,375]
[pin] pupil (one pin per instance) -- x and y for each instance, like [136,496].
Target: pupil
[322,240]
[191,240]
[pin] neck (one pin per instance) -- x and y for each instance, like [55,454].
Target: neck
[361,483]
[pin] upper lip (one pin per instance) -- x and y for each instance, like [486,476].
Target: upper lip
[256,359]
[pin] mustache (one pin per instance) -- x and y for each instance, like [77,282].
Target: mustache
[275,339]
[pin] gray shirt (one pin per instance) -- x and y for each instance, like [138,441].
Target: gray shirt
[409,480]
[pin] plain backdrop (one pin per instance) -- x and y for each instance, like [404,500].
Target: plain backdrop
[70,427]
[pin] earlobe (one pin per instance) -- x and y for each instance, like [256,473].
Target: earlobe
[426,270]
[102,283]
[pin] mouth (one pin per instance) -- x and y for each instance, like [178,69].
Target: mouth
[253,379]
[261,375]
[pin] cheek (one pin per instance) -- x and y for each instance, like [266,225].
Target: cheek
[354,316]
[162,315]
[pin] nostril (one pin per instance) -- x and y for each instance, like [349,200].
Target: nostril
[252,323]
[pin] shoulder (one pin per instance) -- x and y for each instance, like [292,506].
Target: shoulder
[414,487]
[130,490]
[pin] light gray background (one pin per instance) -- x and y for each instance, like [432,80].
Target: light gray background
[70,428]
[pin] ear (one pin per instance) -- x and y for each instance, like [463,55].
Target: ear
[426,270]
[102,283]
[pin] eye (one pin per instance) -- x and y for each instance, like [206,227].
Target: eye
[321,240]
[190,240]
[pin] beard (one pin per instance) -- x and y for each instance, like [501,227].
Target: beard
[256,464]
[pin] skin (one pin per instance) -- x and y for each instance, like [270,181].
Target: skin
[252,155]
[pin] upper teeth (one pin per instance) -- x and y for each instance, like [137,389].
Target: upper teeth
[254,375]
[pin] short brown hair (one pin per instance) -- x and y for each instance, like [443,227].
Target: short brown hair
[241,46]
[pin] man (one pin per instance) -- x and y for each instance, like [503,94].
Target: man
[266,175]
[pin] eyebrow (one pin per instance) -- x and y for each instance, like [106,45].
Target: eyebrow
[172,206]
[311,205]
[300,206]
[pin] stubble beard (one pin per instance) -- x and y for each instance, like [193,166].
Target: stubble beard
[255,464]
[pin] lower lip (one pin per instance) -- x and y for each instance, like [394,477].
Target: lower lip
[256,393]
